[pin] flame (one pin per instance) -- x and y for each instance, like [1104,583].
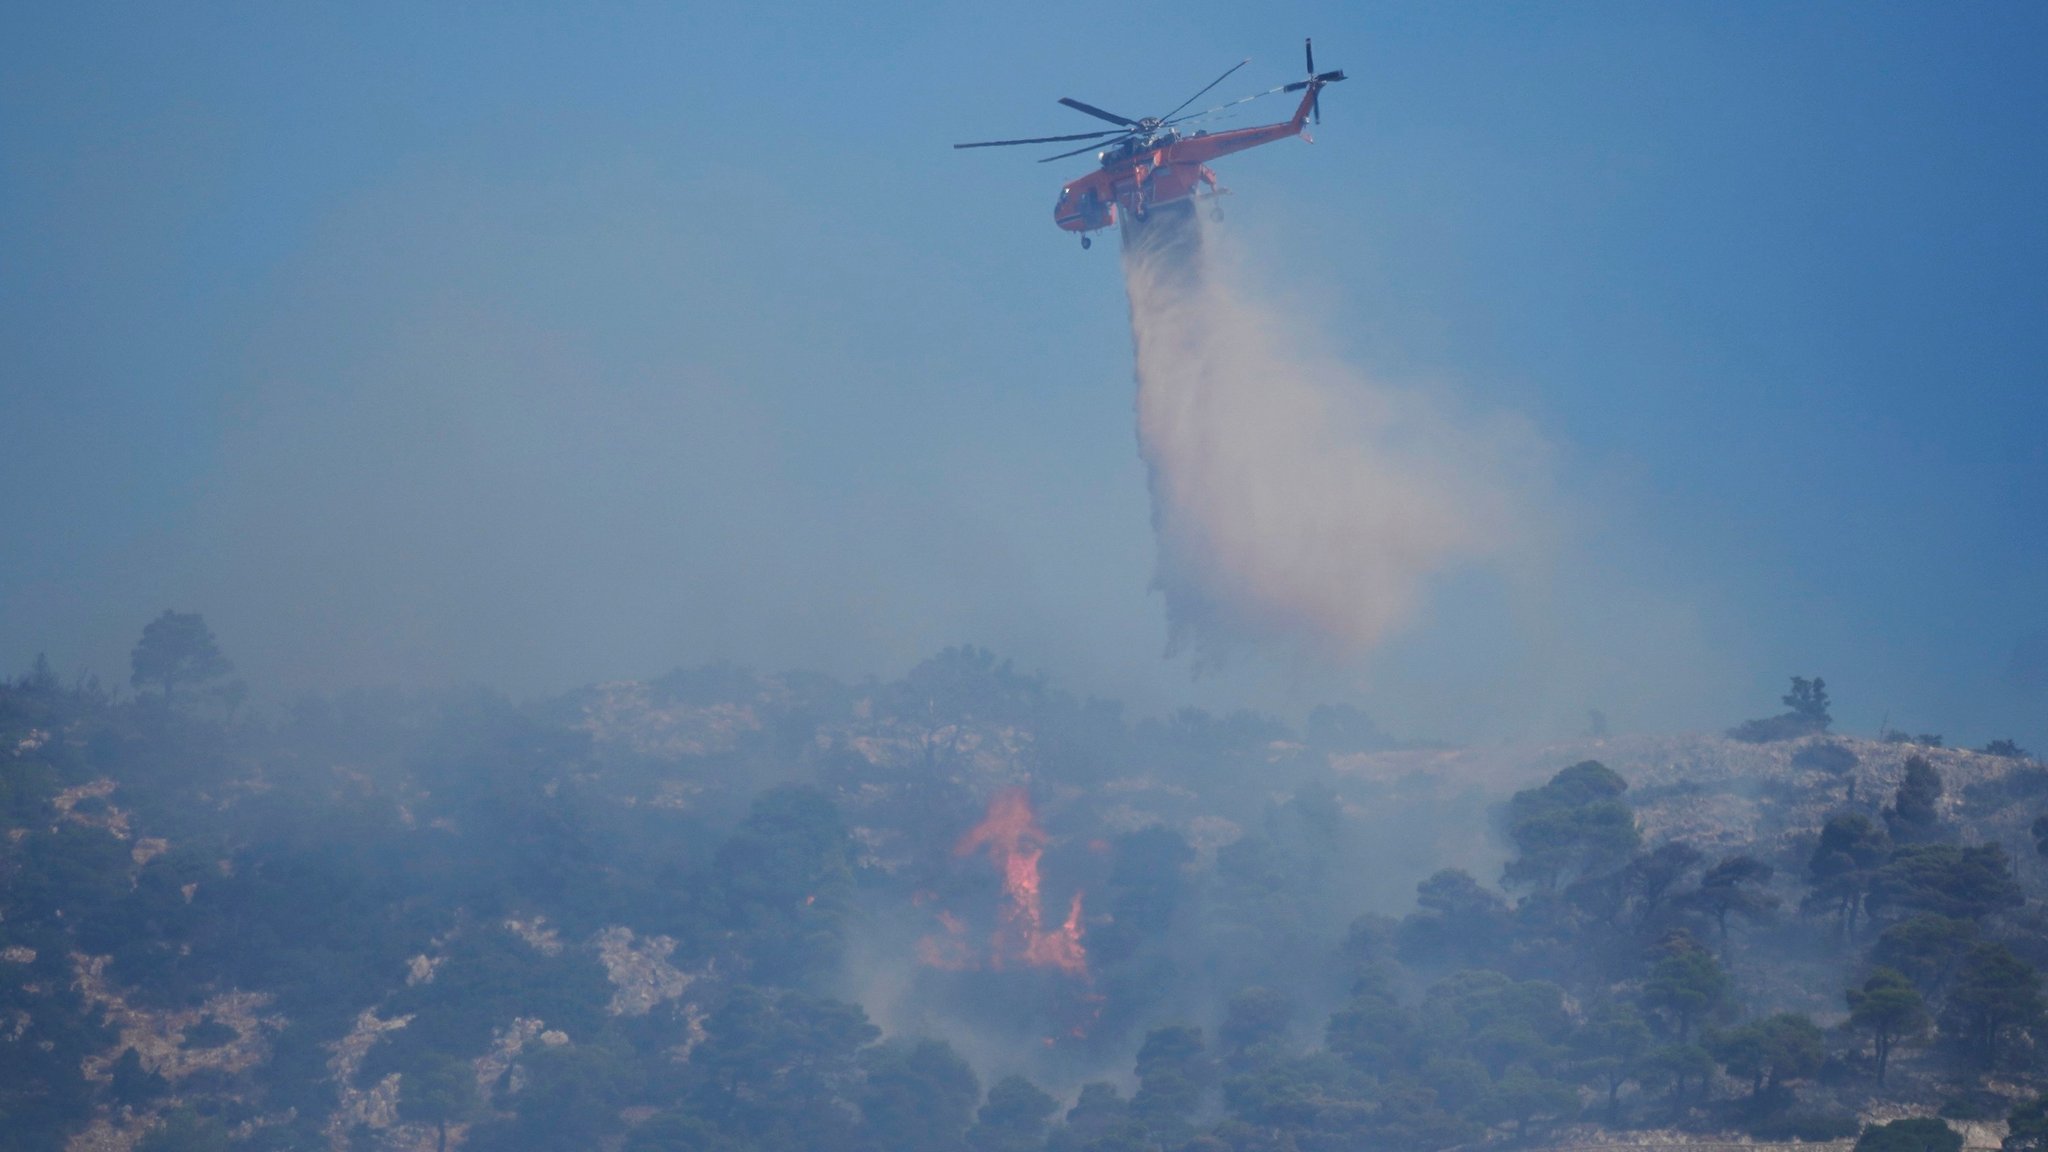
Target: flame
[1060,948]
[1014,842]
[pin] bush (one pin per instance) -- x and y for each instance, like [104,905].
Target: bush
[2023,783]
[1925,739]
[1976,1105]
[1772,729]
[1808,1126]
[1918,1134]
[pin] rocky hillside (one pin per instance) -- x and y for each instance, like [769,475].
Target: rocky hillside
[722,910]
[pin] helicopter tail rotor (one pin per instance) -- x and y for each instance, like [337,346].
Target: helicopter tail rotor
[1315,80]
[1308,49]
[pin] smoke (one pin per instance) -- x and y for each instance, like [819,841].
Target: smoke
[1295,502]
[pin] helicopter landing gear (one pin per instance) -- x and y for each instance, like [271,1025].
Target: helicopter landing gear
[1087,243]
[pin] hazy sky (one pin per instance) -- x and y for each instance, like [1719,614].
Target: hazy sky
[541,344]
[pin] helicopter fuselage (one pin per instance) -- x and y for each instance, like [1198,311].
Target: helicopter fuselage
[1135,176]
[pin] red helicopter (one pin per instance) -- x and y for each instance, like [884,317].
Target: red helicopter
[1151,161]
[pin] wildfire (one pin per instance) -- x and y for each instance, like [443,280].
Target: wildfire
[1014,842]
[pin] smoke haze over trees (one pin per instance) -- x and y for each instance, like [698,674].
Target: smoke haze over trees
[965,910]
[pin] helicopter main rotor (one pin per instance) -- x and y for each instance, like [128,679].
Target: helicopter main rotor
[1149,128]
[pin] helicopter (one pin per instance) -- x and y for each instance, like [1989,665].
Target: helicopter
[1153,161]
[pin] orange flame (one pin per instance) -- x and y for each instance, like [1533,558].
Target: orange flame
[1015,842]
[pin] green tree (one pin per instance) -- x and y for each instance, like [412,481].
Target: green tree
[916,1096]
[783,880]
[1254,1017]
[133,1084]
[1373,1034]
[1674,1067]
[1809,698]
[1771,1051]
[1651,876]
[1574,825]
[1808,701]
[1913,815]
[1964,883]
[781,1068]
[1456,922]
[1995,992]
[1522,1095]
[1843,865]
[1686,984]
[1737,885]
[1174,1076]
[1262,903]
[676,1132]
[2027,1127]
[1014,1118]
[1318,1092]
[1463,1087]
[1890,1009]
[1099,1119]
[1497,1020]
[1915,1134]
[571,1099]
[177,648]
[1369,953]
[1409,1116]
[1608,1050]
[440,1091]
[1926,947]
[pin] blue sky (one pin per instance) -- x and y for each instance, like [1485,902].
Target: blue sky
[534,345]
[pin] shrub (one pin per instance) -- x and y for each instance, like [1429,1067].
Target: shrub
[1772,729]
[1977,1104]
[1918,1134]
[1800,1124]
[1808,701]
[1825,755]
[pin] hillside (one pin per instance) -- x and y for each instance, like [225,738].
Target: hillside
[720,910]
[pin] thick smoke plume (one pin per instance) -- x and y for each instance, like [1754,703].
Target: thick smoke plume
[1293,500]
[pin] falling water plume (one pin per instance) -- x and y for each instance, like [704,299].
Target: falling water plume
[1294,501]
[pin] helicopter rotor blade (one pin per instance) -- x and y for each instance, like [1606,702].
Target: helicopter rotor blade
[1211,84]
[1295,87]
[1038,140]
[1298,85]
[1098,113]
[1077,151]
[1315,102]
